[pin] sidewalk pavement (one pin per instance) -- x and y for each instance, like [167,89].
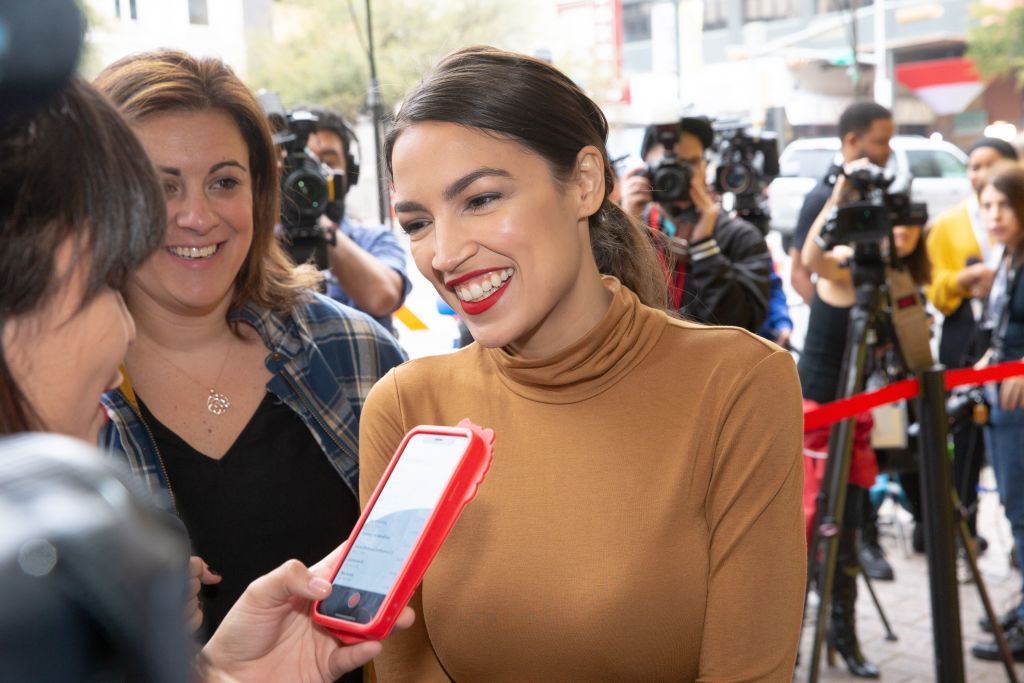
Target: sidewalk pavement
[907,604]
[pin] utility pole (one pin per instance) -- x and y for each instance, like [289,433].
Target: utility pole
[883,83]
[376,107]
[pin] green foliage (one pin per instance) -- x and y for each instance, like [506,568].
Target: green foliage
[323,58]
[997,44]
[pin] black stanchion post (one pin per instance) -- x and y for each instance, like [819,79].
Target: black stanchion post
[936,483]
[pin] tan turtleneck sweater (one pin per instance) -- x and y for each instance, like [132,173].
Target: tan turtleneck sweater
[642,517]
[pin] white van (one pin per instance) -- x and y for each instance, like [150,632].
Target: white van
[939,170]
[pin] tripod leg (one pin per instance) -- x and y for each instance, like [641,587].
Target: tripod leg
[972,559]
[890,635]
[832,496]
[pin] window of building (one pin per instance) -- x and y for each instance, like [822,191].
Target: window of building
[197,12]
[714,13]
[636,22]
[826,6]
[133,12]
[767,10]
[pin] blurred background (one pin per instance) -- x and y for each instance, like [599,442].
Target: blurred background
[951,70]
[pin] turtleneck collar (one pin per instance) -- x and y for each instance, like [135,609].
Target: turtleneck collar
[594,362]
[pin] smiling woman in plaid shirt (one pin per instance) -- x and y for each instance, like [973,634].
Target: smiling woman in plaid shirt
[242,392]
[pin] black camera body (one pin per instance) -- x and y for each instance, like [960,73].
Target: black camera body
[747,163]
[670,176]
[871,218]
[967,403]
[308,185]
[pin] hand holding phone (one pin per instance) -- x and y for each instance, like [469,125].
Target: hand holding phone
[433,475]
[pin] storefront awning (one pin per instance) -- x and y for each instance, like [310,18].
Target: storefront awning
[948,86]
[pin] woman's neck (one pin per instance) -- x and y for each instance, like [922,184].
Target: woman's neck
[579,314]
[178,331]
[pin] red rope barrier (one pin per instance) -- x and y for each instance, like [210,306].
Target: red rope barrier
[829,413]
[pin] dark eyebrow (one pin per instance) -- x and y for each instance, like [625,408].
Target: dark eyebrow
[168,170]
[401,207]
[456,188]
[217,167]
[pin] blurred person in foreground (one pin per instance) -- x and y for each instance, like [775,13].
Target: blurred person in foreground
[242,393]
[80,211]
[367,262]
[718,266]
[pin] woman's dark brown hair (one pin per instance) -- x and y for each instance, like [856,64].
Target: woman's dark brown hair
[1008,178]
[917,261]
[168,81]
[531,102]
[71,170]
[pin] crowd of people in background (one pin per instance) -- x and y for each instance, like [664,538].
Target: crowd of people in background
[263,399]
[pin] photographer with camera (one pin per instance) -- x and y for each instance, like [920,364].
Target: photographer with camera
[367,263]
[865,129]
[720,267]
[826,254]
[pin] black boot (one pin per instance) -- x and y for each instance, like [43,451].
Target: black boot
[842,624]
[990,650]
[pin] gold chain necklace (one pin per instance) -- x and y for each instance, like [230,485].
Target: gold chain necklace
[216,402]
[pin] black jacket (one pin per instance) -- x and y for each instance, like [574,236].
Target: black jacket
[732,286]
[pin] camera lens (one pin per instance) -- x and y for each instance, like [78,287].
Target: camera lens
[305,190]
[670,181]
[736,178]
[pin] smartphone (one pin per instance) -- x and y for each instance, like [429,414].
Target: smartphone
[433,475]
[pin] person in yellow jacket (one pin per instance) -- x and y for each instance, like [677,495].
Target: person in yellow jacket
[963,259]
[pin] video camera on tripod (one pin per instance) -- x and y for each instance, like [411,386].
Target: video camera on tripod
[871,217]
[748,162]
[307,184]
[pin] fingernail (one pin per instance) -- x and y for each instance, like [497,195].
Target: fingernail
[213,571]
[319,585]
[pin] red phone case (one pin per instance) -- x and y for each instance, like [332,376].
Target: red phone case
[461,489]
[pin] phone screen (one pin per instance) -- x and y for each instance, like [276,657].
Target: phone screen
[394,525]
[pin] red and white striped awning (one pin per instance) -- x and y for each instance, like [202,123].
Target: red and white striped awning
[948,86]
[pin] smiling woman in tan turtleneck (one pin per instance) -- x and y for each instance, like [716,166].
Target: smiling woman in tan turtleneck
[642,519]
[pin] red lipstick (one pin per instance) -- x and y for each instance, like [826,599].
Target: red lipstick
[478,307]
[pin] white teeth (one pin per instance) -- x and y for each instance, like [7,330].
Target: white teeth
[490,282]
[194,252]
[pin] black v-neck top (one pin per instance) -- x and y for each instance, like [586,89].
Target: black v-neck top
[272,497]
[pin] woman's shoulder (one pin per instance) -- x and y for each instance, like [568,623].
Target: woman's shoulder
[320,322]
[326,318]
[699,340]
[462,365]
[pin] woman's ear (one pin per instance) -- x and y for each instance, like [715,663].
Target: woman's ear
[590,180]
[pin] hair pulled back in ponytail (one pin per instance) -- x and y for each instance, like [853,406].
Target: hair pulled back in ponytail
[533,103]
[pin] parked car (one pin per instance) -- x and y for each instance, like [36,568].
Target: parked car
[938,169]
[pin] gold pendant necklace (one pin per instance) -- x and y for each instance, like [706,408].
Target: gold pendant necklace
[217,403]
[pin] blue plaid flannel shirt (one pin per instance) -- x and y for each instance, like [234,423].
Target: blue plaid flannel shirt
[324,357]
